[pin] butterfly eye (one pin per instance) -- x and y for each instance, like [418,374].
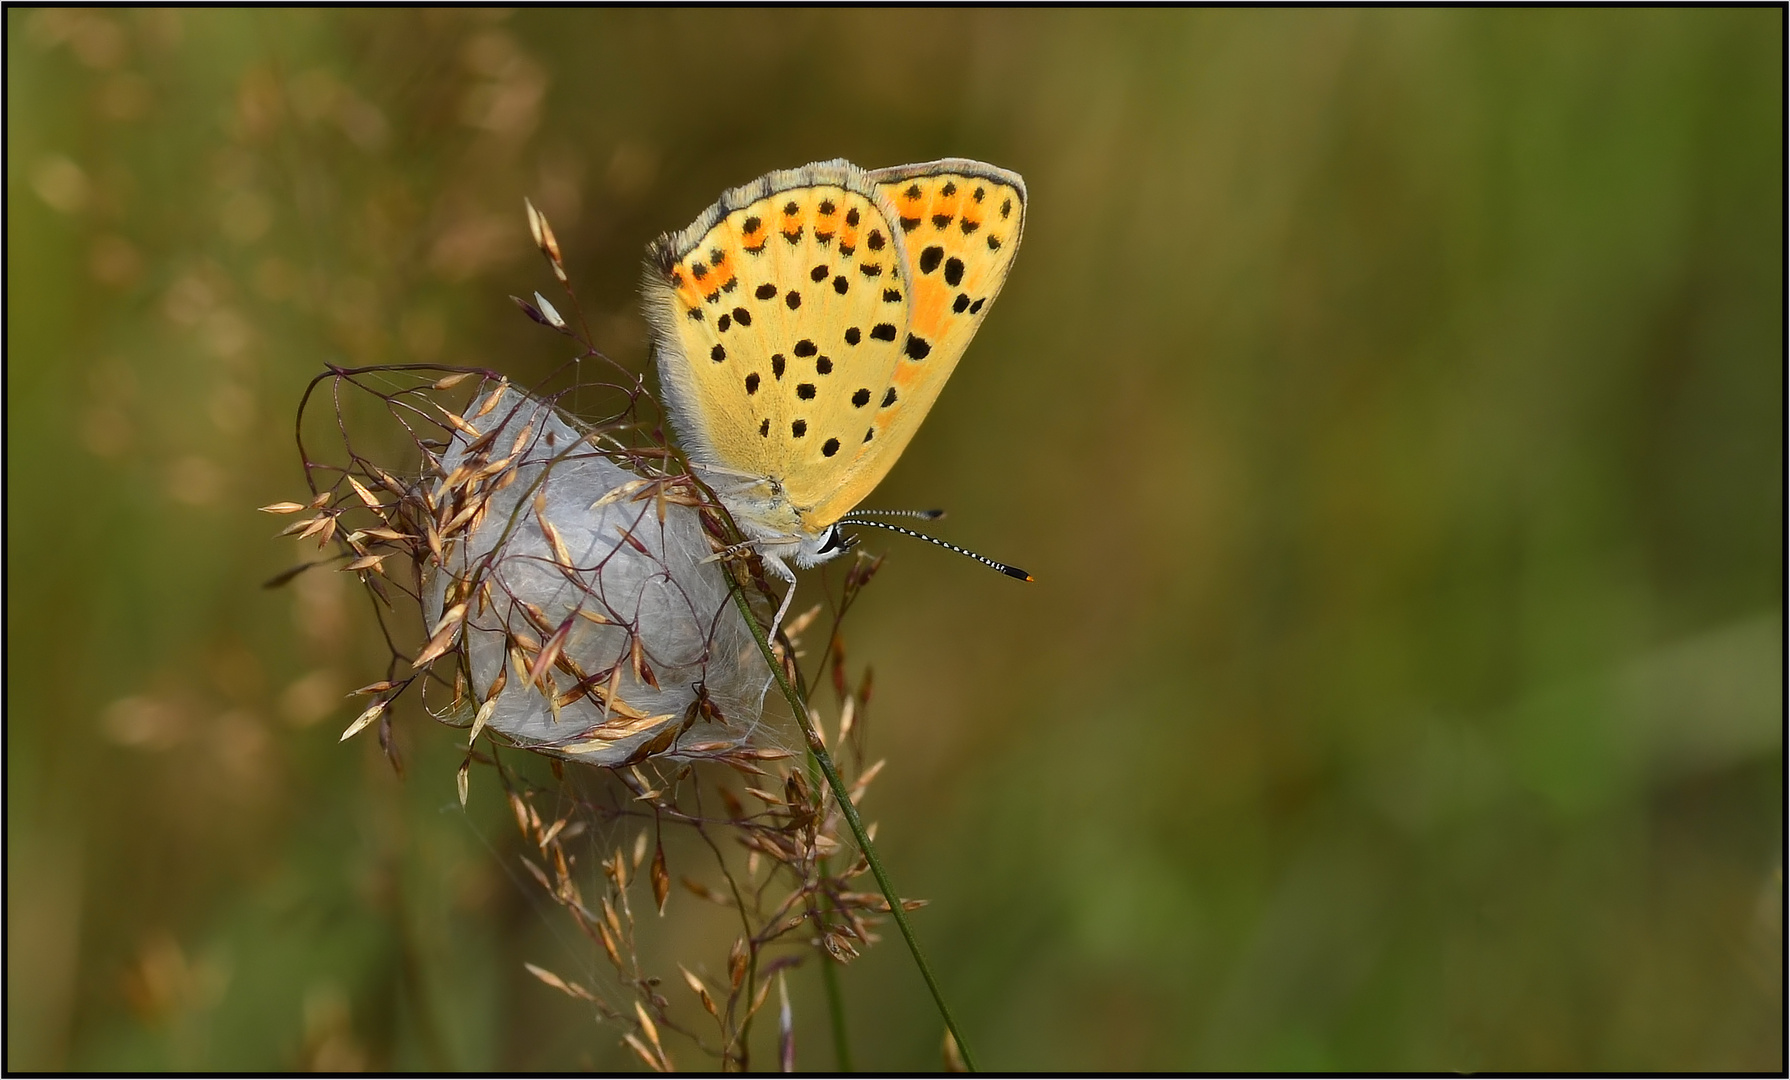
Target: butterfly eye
[835,541]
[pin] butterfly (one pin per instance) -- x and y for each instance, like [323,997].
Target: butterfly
[805,323]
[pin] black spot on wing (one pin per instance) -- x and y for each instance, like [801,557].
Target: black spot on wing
[861,398]
[765,291]
[953,272]
[805,347]
[930,259]
[830,447]
[883,332]
[918,347]
[718,354]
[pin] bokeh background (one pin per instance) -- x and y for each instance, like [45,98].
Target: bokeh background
[1389,404]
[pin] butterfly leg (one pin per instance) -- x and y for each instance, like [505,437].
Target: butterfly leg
[782,570]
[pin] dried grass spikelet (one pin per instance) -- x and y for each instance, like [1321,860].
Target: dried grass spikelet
[589,622]
[568,603]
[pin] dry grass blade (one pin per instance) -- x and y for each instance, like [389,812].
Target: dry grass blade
[480,719]
[365,495]
[491,401]
[364,719]
[438,646]
[700,990]
[711,895]
[736,964]
[458,424]
[549,653]
[621,492]
[540,875]
[316,525]
[651,1030]
[635,1045]
[604,935]
[953,1058]
[560,554]
[570,989]
[661,878]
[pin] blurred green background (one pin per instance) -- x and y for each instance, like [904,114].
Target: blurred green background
[1389,404]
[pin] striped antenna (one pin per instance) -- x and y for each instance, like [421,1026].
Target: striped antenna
[923,515]
[1010,571]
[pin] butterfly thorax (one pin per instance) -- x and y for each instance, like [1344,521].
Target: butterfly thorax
[776,526]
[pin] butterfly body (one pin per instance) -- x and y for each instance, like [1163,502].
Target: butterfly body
[806,322]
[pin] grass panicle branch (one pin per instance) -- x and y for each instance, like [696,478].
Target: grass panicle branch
[568,588]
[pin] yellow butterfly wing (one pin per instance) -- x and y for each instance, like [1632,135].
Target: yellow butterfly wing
[807,321]
[780,316]
[961,223]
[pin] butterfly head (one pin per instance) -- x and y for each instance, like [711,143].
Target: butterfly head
[824,545]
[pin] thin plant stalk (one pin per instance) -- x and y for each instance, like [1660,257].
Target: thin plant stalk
[829,975]
[840,793]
